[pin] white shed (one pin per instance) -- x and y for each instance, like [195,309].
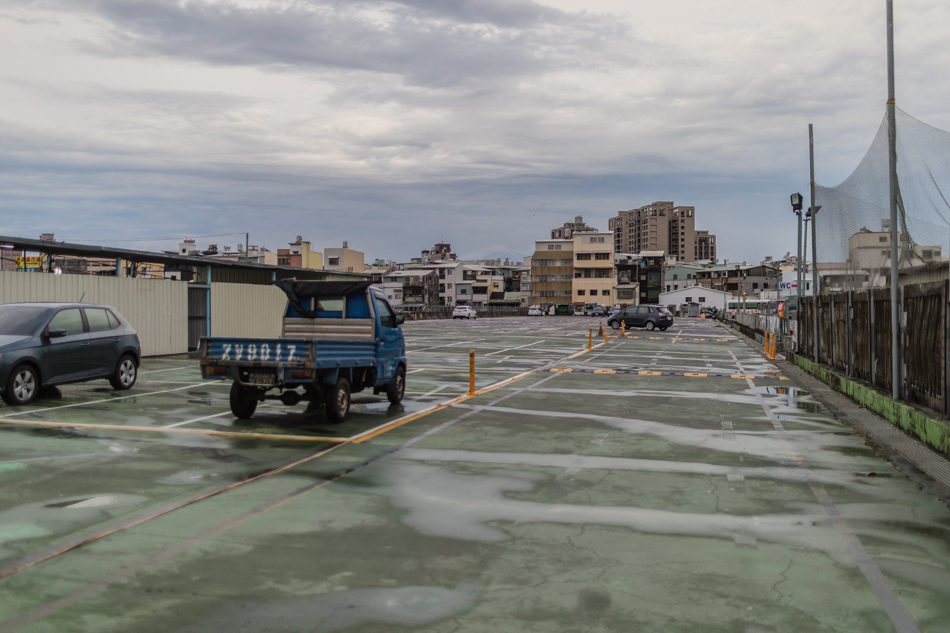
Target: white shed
[702,295]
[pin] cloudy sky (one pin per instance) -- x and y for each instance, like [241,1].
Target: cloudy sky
[483,123]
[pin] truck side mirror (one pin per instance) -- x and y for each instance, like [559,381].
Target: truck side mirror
[400,319]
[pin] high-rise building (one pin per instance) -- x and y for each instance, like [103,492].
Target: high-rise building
[661,226]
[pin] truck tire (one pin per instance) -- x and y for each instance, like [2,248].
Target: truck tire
[397,388]
[243,401]
[338,401]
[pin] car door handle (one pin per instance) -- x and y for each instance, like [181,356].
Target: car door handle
[84,344]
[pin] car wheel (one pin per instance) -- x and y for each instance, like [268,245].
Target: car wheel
[22,386]
[243,401]
[125,373]
[338,401]
[615,324]
[650,325]
[397,388]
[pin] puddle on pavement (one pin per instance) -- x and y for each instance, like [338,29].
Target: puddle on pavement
[58,516]
[401,606]
[429,496]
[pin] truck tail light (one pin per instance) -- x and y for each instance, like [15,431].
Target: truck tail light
[217,371]
[300,373]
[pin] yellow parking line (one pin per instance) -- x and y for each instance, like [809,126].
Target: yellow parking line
[694,374]
[748,376]
[649,373]
[605,371]
[561,371]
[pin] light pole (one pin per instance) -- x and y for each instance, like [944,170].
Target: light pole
[797,203]
[739,289]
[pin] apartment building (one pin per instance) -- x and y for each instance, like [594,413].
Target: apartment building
[344,259]
[662,226]
[593,277]
[552,272]
[300,255]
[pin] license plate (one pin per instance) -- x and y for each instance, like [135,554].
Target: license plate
[260,378]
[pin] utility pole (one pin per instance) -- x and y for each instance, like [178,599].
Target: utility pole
[892,169]
[814,239]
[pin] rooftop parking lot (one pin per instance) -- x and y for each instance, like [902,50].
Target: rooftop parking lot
[662,481]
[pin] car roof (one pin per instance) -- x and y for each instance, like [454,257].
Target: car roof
[56,305]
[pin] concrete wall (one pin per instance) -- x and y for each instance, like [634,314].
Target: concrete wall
[247,310]
[157,309]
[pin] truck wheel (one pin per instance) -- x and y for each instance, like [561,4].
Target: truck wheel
[243,401]
[397,388]
[338,401]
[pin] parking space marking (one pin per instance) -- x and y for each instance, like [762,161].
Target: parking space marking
[519,347]
[163,429]
[82,404]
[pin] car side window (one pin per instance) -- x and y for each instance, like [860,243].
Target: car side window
[113,320]
[98,319]
[386,316]
[69,319]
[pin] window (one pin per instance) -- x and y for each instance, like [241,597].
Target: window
[602,256]
[583,256]
[449,286]
[98,319]
[702,299]
[882,239]
[463,291]
[580,293]
[69,320]
[689,299]
[554,247]
[593,292]
[606,293]
[333,261]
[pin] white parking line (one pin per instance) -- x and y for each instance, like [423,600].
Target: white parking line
[82,404]
[207,417]
[508,349]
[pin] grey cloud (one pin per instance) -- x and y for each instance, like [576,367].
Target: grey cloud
[426,42]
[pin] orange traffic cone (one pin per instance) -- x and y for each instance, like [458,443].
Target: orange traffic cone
[600,330]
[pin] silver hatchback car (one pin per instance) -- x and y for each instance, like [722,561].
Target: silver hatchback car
[46,344]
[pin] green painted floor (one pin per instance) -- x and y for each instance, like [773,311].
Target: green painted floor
[653,487]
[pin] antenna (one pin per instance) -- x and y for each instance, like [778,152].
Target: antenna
[81,298]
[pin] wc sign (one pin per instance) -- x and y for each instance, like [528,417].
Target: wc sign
[787,285]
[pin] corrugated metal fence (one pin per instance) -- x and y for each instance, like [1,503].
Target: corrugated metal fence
[157,309]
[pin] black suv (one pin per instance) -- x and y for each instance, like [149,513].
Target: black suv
[650,317]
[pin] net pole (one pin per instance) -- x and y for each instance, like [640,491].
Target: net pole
[892,170]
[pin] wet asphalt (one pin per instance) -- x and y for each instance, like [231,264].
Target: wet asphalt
[663,481]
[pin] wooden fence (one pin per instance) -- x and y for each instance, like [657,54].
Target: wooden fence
[854,338]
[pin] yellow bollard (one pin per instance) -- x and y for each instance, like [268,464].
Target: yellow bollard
[605,337]
[471,372]
[590,338]
[623,328]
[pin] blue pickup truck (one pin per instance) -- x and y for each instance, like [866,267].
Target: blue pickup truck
[338,337]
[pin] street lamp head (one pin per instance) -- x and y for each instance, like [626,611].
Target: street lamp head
[810,214]
[797,201]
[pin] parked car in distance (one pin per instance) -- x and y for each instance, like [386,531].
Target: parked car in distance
[614,310]
[464,312]
[47,344]
[597,311]
[535,311]
[648,316]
